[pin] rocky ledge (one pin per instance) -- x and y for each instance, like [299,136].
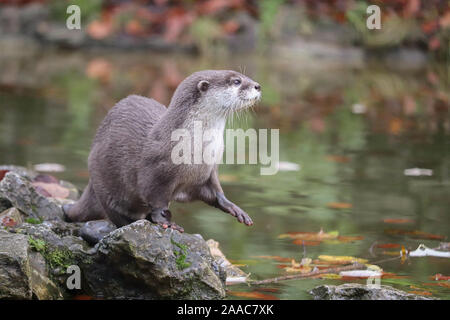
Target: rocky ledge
[356,291]
[44,257]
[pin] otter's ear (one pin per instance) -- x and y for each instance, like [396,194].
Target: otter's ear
[203,85]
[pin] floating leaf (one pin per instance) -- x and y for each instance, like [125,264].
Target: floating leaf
[398,221]
[444,284]
[341,259]
[306,242]
[439,276]
[415,234]
[276,258]
[310,236]
[252,295]
[339,205]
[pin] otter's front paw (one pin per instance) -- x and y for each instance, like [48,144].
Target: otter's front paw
[241,215]
[163,218]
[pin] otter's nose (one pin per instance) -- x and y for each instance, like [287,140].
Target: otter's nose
[257,87]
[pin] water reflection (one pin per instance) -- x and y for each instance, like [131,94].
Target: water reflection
[51,104]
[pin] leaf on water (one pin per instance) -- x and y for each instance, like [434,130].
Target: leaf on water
[341,259]
[444,284]
[252,295]
[390,275]
[338,158]
[403,254]
[306,242]
[331,276]
[310,236]
[276,258]
[388,246]
[439,276]
[417,172]
[339,205]
[391,253]
[398,221]
[228,178]
[415,234]
[362,274]
[288,166]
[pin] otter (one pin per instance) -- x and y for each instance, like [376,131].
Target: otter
[132,175]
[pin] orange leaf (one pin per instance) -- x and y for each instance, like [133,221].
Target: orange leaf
[398,221]
[339,205]
[306,242]
[252,295]
[440,277]
[276,258]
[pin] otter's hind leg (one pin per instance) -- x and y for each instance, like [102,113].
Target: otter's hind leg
[87,208]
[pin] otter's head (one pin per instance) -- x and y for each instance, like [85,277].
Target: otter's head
[219,91]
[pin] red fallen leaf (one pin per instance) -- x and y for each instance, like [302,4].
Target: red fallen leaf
[430,26]
[134,28]
[100,29]
[444,284]
[415,234]
[389,275]
[398,221]
[434,43]
[421,293]
[231,27]
[213,6]
[8,222]
[3,173]
[252,295]
[99,69]
[276,258]
[387,245]
[338,158]
[439,276]
[283,266]
[349,238]
[45,178]
[83,297]
[339,205]
[306,242]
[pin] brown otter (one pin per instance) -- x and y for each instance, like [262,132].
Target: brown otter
[132,175]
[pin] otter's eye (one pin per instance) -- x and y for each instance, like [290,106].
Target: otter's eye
[237,82]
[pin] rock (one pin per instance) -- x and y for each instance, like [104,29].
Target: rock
[11,218]
[14,267]
[233,273]
[145,261]
[22,195]
[356,291]
[23,273]
[21,171]
[94,231]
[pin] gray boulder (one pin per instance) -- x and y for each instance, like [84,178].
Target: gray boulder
[23,273]
[145,261]
[21,194]
[356,291]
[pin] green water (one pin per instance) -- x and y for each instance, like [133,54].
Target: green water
[51,104]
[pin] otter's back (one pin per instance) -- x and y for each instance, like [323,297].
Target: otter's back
[117,146]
